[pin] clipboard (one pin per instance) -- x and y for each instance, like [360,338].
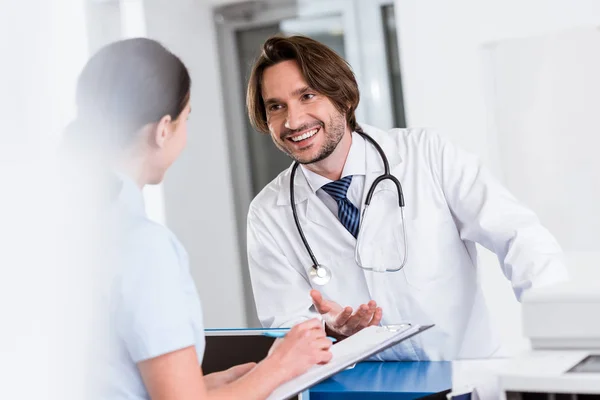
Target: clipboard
[357,347]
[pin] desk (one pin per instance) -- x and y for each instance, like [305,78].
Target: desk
[383,381]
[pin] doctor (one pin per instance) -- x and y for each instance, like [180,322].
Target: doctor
[304,95]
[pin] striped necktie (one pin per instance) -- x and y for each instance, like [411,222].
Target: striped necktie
[348,214]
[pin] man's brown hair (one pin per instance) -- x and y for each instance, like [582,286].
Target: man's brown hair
[323,69]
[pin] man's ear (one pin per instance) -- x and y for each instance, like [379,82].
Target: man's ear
[162,131]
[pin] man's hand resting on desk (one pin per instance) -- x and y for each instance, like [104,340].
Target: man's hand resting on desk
[340,322]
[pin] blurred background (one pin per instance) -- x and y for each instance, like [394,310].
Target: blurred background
[516,82]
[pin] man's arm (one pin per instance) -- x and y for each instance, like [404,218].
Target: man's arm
[487,213]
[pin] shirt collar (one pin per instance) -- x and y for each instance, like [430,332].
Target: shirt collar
[355,164]
[131,196]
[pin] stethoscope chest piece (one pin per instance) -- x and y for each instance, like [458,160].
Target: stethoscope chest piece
[320,274]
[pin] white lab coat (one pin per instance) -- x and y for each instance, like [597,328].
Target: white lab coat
[452,203]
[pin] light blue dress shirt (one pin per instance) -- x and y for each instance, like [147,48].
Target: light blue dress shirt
[153,303]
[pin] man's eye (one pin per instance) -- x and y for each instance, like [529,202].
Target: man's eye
[308,96]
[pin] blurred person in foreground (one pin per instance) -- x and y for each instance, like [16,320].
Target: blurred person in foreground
[133,103]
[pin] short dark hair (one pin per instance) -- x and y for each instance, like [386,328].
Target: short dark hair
[323,69]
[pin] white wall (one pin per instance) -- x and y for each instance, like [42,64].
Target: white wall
[547,95]
[103,23]
[447,84]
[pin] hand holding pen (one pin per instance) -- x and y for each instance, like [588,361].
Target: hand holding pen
[304,345]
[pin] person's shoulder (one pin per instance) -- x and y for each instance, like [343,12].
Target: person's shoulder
[268,197]
[145,239]
[414,143]
[145,231]
[411,135]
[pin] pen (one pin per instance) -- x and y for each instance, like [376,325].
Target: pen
[282,334]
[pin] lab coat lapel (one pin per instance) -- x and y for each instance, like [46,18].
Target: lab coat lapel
[317,215]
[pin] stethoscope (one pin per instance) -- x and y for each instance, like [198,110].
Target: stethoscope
[320,274]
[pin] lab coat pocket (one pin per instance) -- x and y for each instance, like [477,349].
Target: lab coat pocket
[432,240]
[380,245]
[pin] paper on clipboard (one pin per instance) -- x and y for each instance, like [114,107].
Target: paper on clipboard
[359,346]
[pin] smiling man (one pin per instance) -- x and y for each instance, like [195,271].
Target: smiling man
[304,95]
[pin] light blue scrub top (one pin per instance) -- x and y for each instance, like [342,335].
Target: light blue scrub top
[154,305]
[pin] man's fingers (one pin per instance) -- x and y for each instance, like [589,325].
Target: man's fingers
[354,320]
[343,317]
[377,317]
[366,318]
[320,304]
[345,322]
[372,305]
[316,296]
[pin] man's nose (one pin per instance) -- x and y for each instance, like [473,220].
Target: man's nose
[295,118]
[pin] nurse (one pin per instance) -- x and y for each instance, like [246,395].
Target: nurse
[307,231]
[133,102]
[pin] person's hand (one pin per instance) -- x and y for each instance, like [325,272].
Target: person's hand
[217,379]
[302,347]
[340,322]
